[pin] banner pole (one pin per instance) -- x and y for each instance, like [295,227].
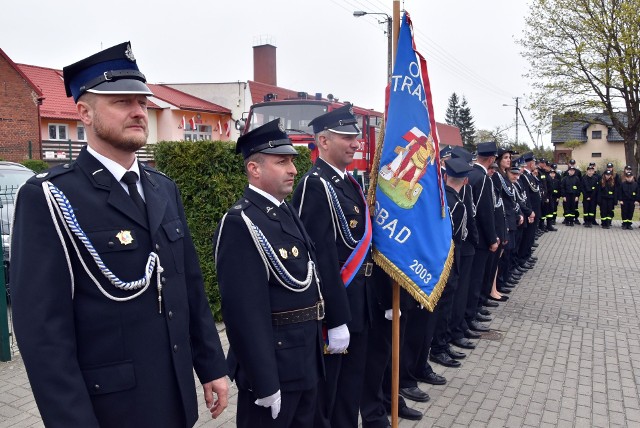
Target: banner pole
[395,355]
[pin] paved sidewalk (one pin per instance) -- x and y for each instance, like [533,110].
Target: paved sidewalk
[568,354]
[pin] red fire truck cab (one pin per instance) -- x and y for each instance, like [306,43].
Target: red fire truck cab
[296,114]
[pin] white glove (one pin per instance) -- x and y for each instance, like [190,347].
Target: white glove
[338,339]
[388,314]
[273,401]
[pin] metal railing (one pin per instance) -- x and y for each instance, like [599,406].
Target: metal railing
[7,200]
[56,152]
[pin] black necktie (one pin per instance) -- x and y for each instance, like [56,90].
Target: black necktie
[286,209]
[130,178]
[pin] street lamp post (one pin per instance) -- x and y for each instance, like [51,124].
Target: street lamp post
[389,21]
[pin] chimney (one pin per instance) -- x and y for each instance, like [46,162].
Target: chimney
[264,64]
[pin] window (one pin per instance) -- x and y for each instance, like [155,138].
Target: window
[81,135]
[57,131]
[201,133]
[596,135]
[596,155]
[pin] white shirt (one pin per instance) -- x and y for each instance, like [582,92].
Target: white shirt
[118,170]
[342,174]
[269,196]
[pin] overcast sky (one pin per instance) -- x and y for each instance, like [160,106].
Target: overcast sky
[469,45]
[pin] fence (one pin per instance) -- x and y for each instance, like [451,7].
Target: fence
[7,341]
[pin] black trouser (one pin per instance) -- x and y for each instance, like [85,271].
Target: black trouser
[441,338]
[458,325]
[589,208]
[478,268]
[297,409]
[414,353]
[627,211]
[528,238]
[606,210]
[339,394]
[570,207]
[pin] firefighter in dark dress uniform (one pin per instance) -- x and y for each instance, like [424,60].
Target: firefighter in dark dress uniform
[271,298]
[589,186]
[531,186]
[109,306]
[333,209]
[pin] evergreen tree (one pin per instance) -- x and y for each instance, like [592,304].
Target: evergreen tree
[466,124]
[453,110]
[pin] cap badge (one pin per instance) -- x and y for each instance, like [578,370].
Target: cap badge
[280,126]
[295,251]
[351,110]
[129,53]
[283,253]
[124,236]
[353,224]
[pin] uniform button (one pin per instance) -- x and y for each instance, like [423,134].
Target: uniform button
[170,315]
[178,230]
[175,348]
[96,387]
[163,280]
[111,244]
[279,343]
[157,247]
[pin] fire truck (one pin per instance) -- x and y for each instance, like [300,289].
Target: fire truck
[296,114]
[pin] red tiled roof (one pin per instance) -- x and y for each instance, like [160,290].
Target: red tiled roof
[24,76]
[259,90]
[185,101]
[449,135]
[56,104]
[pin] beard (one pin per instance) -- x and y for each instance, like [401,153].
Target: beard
[116,139]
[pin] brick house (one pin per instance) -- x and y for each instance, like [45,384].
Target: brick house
[20,101]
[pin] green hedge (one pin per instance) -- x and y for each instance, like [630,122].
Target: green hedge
[211,178]
[35,165]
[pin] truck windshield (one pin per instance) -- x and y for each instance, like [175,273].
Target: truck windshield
[294,116]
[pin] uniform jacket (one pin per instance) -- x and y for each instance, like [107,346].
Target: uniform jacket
[467,247]
[607,190]
[570,186]
[589,186]
[553,187]
[264,357]
[93,361]
[628,191]
[500,215]
[511,207]
[311,201]
[531,185]
[485,206]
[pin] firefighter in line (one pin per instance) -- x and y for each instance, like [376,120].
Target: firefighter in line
[628,196]
[589,187]
[554,180]
[607,197]
[570,191]
[272,301]
[333,209]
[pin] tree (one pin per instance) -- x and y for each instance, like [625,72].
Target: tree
[584,56]
[453,110]
[466,125]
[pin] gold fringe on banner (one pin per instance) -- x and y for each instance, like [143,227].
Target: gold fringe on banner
[420,296]
[373,174]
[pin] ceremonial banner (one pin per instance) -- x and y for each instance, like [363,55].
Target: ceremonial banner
[411,225]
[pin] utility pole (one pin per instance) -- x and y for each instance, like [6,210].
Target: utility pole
[517,109]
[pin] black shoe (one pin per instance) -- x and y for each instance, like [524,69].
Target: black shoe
[535,244]
[444,359]
[509,285]
[455,354]
[475,326]
[408,413]
[414,394]
[577,221]
[532,259]
[528,265]
[471,335]
[490,304]
[482,318]
[587,225]
[432,378]
[464,343]
[551,229]
[504,290]
[484,312]
[501,299]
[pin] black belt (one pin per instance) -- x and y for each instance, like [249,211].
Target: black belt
[312,313]
[366,269]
